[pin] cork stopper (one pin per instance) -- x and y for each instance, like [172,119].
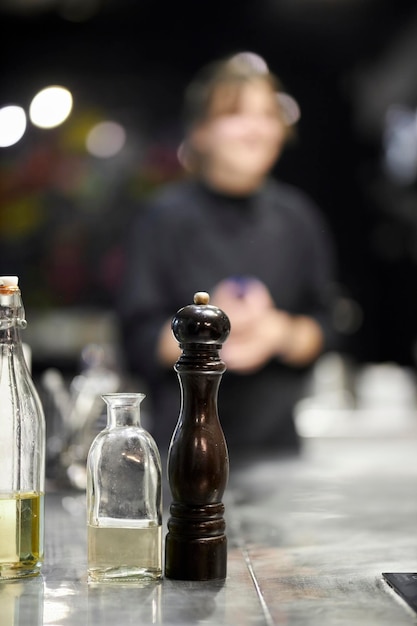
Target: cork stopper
[201,322]
[10,297]
[9,286]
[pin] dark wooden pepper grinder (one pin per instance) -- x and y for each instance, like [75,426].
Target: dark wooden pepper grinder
[198,461]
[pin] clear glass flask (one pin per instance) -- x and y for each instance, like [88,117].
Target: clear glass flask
[124,497]
[22,446]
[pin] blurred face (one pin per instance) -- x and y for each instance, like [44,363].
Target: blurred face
[241,139]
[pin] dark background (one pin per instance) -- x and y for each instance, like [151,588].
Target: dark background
[347,62]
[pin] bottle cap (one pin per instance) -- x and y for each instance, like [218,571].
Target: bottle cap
[200,323]
[9,281]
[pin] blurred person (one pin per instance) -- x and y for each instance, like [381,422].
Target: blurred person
[259,247]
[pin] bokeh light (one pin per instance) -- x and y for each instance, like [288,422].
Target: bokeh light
[257,62]
[50,107]
[400,144]
[290,108]
[12,125]
[105,139]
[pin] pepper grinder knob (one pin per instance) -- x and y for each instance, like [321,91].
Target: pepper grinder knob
[201,297]
[201,323]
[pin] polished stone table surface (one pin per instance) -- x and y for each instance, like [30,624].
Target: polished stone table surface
[309,538]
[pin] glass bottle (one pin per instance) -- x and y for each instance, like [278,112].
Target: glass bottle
[22,446]
[124,497]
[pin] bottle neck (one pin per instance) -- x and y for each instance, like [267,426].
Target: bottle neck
[12,315]
[123,409]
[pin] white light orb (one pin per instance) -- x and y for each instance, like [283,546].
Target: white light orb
[50,107]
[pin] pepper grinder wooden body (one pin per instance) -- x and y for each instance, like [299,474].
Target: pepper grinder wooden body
[198,462]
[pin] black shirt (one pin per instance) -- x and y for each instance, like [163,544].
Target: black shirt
[188,238]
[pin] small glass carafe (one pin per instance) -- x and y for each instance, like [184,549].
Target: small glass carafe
[124,497]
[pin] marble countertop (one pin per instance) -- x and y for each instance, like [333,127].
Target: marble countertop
[308,540]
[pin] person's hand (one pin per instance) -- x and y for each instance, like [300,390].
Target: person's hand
[258,330]
[268,337]
[243,300]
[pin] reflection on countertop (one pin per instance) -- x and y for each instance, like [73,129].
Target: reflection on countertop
[309,538]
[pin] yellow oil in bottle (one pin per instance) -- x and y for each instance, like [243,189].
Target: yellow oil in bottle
[21,534]
[130,553]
